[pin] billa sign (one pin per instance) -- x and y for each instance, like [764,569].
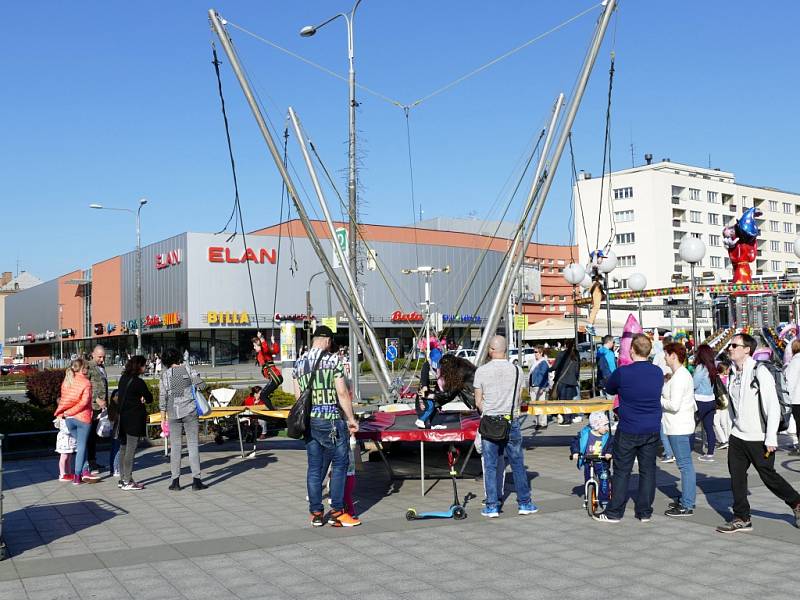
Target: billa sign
[228,318]
[168,259]
[223,254]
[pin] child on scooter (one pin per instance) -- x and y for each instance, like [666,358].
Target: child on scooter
[595,440]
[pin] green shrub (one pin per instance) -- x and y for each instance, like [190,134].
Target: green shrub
[21,417]
[44,387]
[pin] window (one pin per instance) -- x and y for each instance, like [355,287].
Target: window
[697,236]
[694,194]
[627,261]
[622,193]
[774,226]
[788,247]
[776,265]
[773,206]
[561,262]
[625,238]
[623,283]
[713,219]
[561,298]
[775,246]
[713,197]
[787,228]
[562,308]
[727,262]
[787,208]
[716,262]
[744,201]
[695,216]
[713,240]
[622,216]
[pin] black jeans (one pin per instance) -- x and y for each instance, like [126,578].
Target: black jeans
[796,415]
[742,454]
[705,415]
[266,392]
[627,447]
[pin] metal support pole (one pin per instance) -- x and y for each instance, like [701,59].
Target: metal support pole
[139,281]
[341,293]
[640,310]
[575,315]
[350,274]
[540,194]
[608,303]
[352,206]
[428,317]
[693,303]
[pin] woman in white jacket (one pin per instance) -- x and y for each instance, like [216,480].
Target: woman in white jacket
[677,402]
[793,381]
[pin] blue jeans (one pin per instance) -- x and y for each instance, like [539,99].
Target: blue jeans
[627,447]
[512,449]
[705,414]
[328,443]
[682,445]
[80,431]
[668,453]
[113,456]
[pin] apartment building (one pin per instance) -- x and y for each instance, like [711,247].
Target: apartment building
[646,212]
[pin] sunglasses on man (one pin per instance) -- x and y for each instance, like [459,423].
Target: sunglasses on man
[733,345]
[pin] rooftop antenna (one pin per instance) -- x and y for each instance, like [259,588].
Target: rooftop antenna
[633,162]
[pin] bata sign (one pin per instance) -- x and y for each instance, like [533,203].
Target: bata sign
[228,318]
[223,254]
[173,257]
[412,317]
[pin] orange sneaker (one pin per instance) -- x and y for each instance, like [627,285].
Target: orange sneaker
[339,518]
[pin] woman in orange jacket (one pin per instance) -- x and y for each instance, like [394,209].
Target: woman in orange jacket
[75,406]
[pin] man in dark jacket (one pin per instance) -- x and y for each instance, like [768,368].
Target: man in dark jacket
[97,375]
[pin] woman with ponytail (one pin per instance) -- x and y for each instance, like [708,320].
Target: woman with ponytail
[75,405]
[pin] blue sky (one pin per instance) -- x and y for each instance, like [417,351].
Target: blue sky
[108,102]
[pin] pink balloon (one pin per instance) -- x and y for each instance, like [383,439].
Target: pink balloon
[632,328]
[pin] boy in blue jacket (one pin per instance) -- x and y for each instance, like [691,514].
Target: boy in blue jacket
[595,440]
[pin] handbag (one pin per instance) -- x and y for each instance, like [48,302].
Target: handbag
[721,397]
[104,426]
[200,403]
[300,413]
[496,428]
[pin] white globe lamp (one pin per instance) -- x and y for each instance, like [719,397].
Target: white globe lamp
[692,249]
[586,282]
[797,247]
[609,263]
[637,282]
[574,273]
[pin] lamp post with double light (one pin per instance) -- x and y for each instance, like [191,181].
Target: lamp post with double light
[427,272]
[605,266]
[692,250]
[637,282]
[137,212]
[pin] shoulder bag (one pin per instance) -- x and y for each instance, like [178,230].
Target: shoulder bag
[496,428]
[200,403]
[300,413]
[721,397]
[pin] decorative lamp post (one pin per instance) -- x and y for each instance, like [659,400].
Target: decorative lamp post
[638,282]
[796,294]
[574,274]
[608,264]
[692,250]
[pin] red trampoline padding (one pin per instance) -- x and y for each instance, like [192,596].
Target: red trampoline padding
[399,427]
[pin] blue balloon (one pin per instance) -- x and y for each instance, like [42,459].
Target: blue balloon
[747,223]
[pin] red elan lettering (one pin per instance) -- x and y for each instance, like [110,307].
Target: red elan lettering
[270,255]
[215,254]
[229,258]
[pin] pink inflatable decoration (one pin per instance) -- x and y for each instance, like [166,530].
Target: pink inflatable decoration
[632,328]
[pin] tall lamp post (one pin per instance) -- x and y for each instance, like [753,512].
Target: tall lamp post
[428,273]
[608,264]
[692,250]
[61,333]
[574,274]
[638,282]
[137,212]
[309,308]
[796,295]
[308,31]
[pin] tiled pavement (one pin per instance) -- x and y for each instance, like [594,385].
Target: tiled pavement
[247,537]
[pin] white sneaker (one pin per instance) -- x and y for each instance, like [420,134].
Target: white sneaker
[706,458]
[666,460]
[420,424]
[602,518]
[438,426]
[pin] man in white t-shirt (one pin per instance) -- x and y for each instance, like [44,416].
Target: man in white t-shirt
[498,389]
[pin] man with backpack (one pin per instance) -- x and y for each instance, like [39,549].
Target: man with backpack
[756,414]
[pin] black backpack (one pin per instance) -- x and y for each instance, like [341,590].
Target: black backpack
[780,388]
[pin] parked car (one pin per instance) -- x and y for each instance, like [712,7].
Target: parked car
[469,353]
[527,357]
[21,369]
[585,351]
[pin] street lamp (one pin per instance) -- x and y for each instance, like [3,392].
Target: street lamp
[692,250]
[796,295]
[428,273]
[61,333]
[608,264]
[308,31]
[137,212]
[638,282]
[574,274]
[309,308]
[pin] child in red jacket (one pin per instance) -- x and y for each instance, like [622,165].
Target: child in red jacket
[265,353]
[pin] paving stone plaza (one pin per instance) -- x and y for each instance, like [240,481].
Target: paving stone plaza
[248,536]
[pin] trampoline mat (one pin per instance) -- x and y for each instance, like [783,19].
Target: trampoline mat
[400,427]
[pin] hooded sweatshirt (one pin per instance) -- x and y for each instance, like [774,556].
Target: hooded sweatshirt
[606,364]
[744,410]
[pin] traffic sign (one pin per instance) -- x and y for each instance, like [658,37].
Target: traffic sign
[391,353]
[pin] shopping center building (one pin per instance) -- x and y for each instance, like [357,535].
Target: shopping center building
[196,291]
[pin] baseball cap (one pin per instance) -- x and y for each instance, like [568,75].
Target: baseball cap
[323,331]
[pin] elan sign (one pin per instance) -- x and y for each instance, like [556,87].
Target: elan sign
[167,259]
[223,254]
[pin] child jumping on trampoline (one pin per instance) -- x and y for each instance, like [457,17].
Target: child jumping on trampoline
[265,353]
[594,440]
